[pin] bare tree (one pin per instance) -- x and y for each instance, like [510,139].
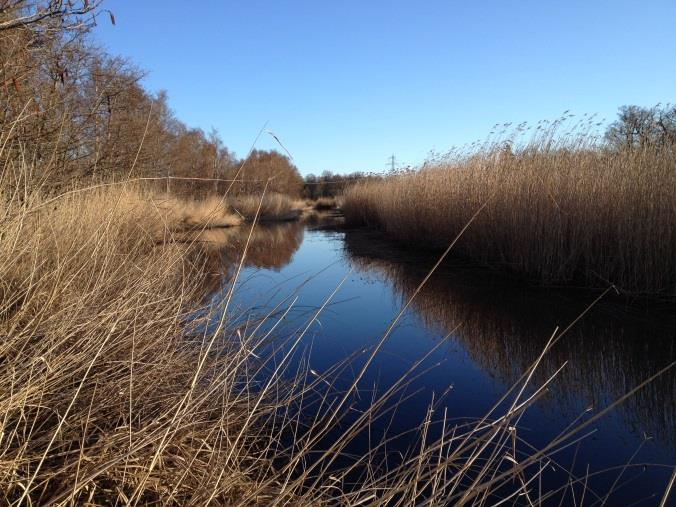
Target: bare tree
[639,127]
[79,114]
[263,166]
[27,13]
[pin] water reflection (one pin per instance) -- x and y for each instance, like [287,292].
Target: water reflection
[501,329]
[270,246]
[505,327]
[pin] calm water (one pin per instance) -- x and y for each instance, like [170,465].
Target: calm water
[479,334]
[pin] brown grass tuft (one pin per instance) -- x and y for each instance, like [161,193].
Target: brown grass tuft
[274,207]
[188,214]
[325,203]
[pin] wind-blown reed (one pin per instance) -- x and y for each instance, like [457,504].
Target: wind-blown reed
[121,383]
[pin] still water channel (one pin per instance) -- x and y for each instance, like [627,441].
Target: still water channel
[478,335]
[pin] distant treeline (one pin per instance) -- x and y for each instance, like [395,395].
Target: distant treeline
[329,184]
[82,116]
[640,127]
[78,114]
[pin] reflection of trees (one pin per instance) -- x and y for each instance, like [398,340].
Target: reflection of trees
[220,249]
[504,328]
[272,245]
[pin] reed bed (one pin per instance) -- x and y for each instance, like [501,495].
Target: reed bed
[191,214]
[554,213]
[324,203]
[273,207]
[120,382]
[106,393]
[124,382]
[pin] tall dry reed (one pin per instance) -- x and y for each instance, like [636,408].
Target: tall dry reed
[109,392]
[554,214]
[116,386]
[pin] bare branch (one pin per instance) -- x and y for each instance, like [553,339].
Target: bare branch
[55,10]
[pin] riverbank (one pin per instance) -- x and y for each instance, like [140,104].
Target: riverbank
[112,390]
[215,212]
[109,392]
[578,216]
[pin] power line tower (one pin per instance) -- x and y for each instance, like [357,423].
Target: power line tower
[392,162]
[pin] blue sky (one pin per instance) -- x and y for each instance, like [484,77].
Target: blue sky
[345,84]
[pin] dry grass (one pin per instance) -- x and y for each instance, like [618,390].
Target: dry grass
[324,203]
[302,204]
[273,207]
[106,394]
[112,392]
[119,385]
[188,214]
[554,214]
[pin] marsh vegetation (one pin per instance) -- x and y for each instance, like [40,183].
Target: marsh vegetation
[553,211]
[135,368]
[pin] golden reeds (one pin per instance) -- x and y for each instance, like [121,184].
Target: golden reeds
[120,384]
[273,207]
[553,214]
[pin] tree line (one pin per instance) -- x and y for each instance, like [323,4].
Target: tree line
[643,127]
[78,114]
[329,184]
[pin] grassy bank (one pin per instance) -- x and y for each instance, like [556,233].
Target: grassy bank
[270,207]
[117,382]
[164,213]
[191,214]
[108,392]
[553,214]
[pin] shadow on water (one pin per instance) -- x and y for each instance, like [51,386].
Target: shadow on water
[504,327]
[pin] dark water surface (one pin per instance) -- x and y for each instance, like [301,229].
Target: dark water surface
[480,334]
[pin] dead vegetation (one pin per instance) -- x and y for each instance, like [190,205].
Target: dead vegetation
[269,206]
[190,214]
[553,212]
[120,384]
[324,203]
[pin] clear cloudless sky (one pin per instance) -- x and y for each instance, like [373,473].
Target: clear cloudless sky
[345,84]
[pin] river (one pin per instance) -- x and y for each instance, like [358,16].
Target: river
[477,333]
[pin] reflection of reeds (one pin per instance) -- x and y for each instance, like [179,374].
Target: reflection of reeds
[270,246]
[504,327]
[554,214]
[326,219]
